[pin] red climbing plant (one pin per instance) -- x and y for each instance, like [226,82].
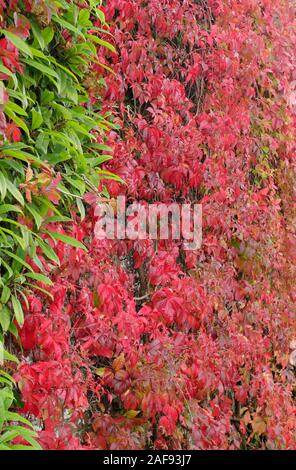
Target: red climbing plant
[144,344]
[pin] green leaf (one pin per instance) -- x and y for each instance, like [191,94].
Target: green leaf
[21,155]
[8,436]
[40,277]
[15,108]
[17,41]
[15,192]
[95,161]
[18,310]
[41,67]
[2,413]
[62,67]
[58,218]
[8,268]
[4,447]
[17,120]
[42,143]
[47,34]
[67,25]
[46,292]
[83,18]
[49,252]
[14,331]
[101,42]
[76,183]
[104,66]
[5,294]
[17,258]
[9,208]
[5,70]
[66,239]
[18,239]
[37,119]
[3,380]
[81,208]
[37,217]
[17,417]
[100,14]
[37,33]
[3,186]
[10,357]
[5,318]
[111,176]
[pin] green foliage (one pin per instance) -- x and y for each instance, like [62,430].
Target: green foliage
[56,162]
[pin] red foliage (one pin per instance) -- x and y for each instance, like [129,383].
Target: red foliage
[149,345]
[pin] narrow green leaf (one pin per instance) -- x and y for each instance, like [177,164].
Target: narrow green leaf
[9,208]
[5,70]
[81,208]
[15,192]
[37,217]
[49,252]
[5,294]
[5,318]
[66,239]
[41,67]
[10,357]
[3,186]
[17,41]
[46,292]
[101,42]
[17,258]
[15,108]
[67,25]
[17,120]
[37,33]
[40,277]
[18,310]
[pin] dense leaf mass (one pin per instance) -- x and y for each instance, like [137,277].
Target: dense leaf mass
[145,344]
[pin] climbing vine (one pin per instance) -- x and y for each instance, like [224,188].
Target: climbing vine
[135,344]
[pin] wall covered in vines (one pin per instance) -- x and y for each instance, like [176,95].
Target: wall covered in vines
[141,344]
